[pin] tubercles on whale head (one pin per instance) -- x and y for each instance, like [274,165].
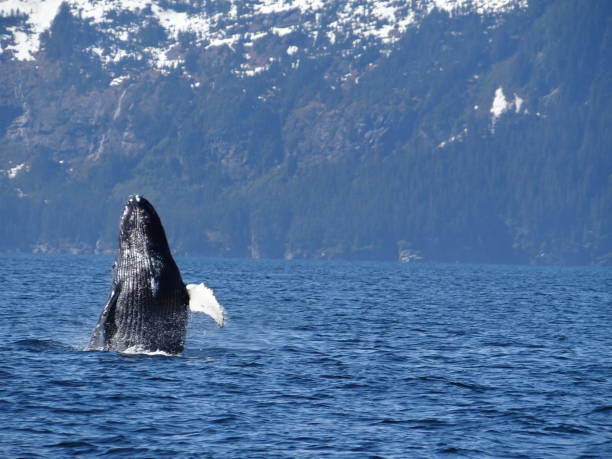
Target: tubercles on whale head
[140,228]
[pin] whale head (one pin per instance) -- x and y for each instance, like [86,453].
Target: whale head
[141,230]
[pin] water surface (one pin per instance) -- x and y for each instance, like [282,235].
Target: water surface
[318,359]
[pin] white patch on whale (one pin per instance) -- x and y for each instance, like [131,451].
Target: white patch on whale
[154,285]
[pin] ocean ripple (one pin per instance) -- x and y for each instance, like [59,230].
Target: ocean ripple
[319,360]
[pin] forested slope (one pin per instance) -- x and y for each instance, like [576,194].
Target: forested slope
[471,137]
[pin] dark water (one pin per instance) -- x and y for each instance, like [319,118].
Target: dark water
[318,359]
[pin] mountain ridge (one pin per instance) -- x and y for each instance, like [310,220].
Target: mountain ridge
[471,137]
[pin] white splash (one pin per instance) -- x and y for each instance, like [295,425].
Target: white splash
[202,299]
[132,350]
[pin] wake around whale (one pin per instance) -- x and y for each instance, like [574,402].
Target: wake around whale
[148,304]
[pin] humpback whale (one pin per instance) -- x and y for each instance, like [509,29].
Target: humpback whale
[148,304]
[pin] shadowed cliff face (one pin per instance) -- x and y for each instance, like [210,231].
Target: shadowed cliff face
[147,306]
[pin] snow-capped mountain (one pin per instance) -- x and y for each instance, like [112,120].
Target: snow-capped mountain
[311,26]
[455,130]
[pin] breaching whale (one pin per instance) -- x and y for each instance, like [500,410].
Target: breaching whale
[148,304]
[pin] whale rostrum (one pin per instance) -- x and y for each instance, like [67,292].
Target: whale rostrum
[148,305]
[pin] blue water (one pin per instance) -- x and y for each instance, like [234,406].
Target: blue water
[317,360]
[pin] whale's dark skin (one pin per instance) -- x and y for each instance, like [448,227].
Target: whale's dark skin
[147,307]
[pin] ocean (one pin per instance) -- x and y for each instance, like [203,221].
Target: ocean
[318,359]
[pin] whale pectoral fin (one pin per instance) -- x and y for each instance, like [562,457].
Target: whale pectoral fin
[202,299]
[105,328]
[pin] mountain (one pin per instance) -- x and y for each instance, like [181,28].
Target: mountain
[457,130]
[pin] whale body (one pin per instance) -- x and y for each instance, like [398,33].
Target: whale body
[148,305]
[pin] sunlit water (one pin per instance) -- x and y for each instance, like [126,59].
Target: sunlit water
[317,359]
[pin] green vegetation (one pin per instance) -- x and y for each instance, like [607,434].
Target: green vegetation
[405,162]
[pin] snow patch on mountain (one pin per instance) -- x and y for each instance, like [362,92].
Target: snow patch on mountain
[26,37]
[454,138]
[501,105]
[15,171]
[478,6]
[359,23]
